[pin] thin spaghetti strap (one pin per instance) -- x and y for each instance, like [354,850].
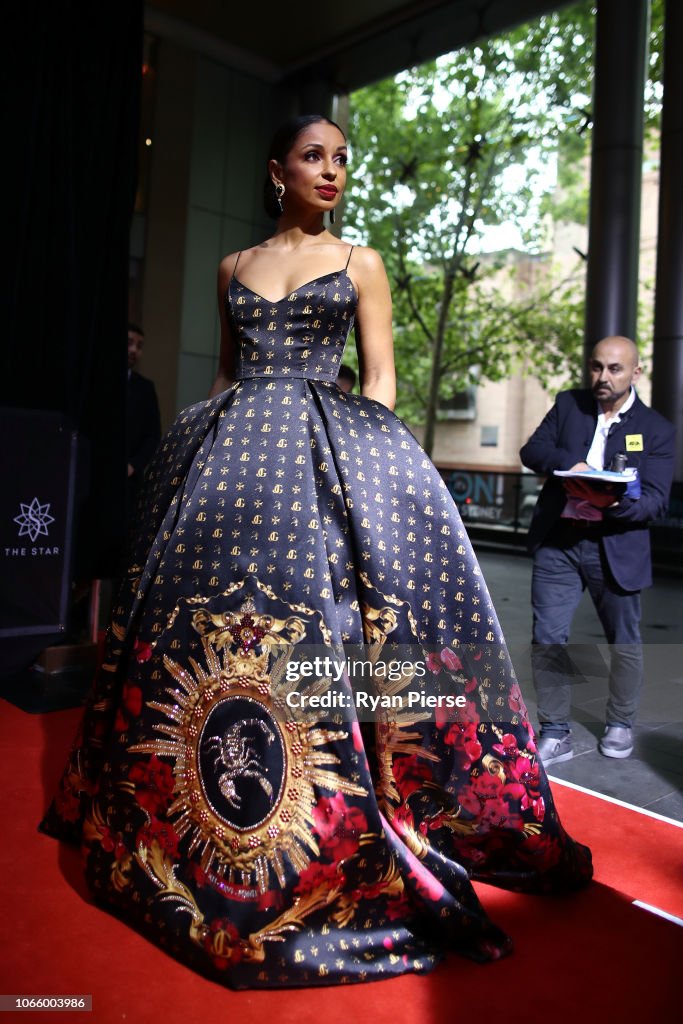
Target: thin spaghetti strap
[234,269]
[349,259]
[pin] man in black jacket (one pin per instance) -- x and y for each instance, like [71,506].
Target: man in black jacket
[143,421]
[593,535]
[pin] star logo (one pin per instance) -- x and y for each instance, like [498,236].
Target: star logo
[34,519]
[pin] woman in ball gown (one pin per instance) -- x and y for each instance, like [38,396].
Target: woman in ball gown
[267,807]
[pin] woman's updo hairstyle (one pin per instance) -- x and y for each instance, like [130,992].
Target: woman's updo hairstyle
[281,144]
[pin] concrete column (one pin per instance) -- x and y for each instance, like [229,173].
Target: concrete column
[667,378]
[616,169]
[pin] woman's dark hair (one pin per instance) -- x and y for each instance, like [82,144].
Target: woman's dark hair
[281,144]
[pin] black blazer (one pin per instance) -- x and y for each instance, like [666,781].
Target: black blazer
[143,422]
[564,438]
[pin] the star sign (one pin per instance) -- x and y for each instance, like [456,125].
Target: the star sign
[34,519]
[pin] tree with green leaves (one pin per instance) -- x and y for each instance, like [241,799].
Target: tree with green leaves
[446,152]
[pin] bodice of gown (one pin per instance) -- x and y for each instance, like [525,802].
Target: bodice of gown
[301,335]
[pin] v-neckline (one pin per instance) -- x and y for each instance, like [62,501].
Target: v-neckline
[276,302]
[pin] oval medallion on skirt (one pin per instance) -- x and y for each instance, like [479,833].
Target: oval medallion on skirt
[241,762]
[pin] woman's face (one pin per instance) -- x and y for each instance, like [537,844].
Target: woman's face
[314,171]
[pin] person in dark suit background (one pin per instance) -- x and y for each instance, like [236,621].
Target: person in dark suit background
[143,420]
[595,536]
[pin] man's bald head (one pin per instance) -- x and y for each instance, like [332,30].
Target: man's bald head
[616,344]
[614,366]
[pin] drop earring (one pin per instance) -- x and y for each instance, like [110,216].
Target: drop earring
[279,192]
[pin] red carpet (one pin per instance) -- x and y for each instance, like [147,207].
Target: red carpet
[634,853]
[581,959]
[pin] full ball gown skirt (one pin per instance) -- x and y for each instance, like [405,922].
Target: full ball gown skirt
[262,845]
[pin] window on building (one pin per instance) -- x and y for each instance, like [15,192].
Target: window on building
[488,437]
[460,406]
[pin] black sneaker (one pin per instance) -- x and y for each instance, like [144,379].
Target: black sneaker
[554,749]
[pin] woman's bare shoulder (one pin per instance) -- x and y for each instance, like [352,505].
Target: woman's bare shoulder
[367,259]
[226,267]
[367,272]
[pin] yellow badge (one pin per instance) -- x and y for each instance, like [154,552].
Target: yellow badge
[634,442]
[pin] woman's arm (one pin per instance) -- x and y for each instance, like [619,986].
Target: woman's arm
[374,338]
[226,362]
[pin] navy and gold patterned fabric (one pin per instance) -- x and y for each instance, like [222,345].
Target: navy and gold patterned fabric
[263,846]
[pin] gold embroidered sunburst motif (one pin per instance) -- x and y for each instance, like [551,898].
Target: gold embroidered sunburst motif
[394,733]
[245,772]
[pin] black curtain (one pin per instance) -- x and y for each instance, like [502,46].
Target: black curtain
[71,139]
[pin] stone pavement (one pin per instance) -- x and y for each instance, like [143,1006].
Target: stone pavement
[652,777]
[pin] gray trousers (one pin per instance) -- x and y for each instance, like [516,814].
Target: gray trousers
[563,568]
